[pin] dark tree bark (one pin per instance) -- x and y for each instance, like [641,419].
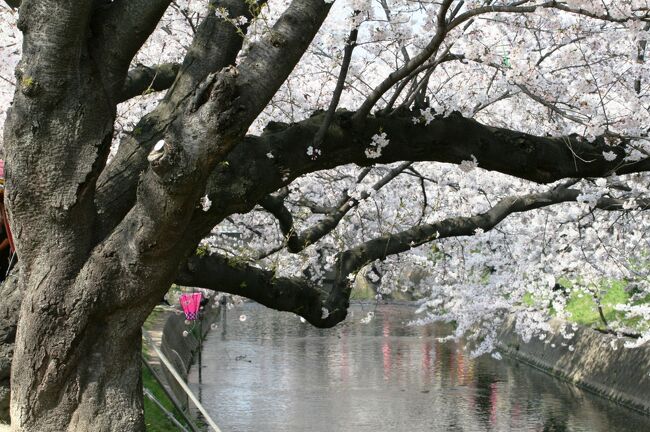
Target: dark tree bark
[57,144]
[143,79]
[8,320]
[89,277]
[99,244]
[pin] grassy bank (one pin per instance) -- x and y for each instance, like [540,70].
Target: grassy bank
[596,305]
[363,290]
[155,419]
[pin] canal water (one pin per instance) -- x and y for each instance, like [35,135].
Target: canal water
[267,371]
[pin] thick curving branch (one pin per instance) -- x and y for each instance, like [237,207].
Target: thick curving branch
[143,79]
[270,60]
[120,28]
[117,185]
[216,44]
[297,295]
[249,174]
[451,139]
[325,303]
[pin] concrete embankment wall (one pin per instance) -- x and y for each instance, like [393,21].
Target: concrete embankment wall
[181,350]
[593,361]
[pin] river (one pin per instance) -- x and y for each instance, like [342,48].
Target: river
[267,371]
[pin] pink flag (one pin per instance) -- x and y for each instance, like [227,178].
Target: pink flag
[191,304]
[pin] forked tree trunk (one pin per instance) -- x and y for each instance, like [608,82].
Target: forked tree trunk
[87,285]
[76,364]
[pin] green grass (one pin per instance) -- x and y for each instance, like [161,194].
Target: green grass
[154,418]
[583,307]
[528,299]
[362,290]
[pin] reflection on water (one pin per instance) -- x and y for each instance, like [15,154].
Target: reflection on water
[273,373]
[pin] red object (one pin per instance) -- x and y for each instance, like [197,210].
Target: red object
[191,304]
[12,248]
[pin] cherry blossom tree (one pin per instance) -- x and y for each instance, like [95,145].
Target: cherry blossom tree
[275,149]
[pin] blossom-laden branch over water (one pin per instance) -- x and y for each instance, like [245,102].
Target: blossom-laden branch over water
[277,150]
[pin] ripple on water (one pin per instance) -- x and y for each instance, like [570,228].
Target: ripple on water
[272,373]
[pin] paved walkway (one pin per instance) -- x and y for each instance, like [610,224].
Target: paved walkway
[154,327]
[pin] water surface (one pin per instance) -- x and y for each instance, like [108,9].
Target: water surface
[272,373]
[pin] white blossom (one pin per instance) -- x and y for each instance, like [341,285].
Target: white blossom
[468,165]
[379,141]
[609,156]
[205,203]
[313,153]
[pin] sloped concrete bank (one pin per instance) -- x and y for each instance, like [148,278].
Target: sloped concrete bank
[591,360]
[181,350]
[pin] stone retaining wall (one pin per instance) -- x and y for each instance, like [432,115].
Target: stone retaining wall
[594,361]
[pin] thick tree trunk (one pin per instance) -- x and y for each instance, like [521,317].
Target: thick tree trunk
[76,364]
[9,308]
[90,381]
[76,356]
